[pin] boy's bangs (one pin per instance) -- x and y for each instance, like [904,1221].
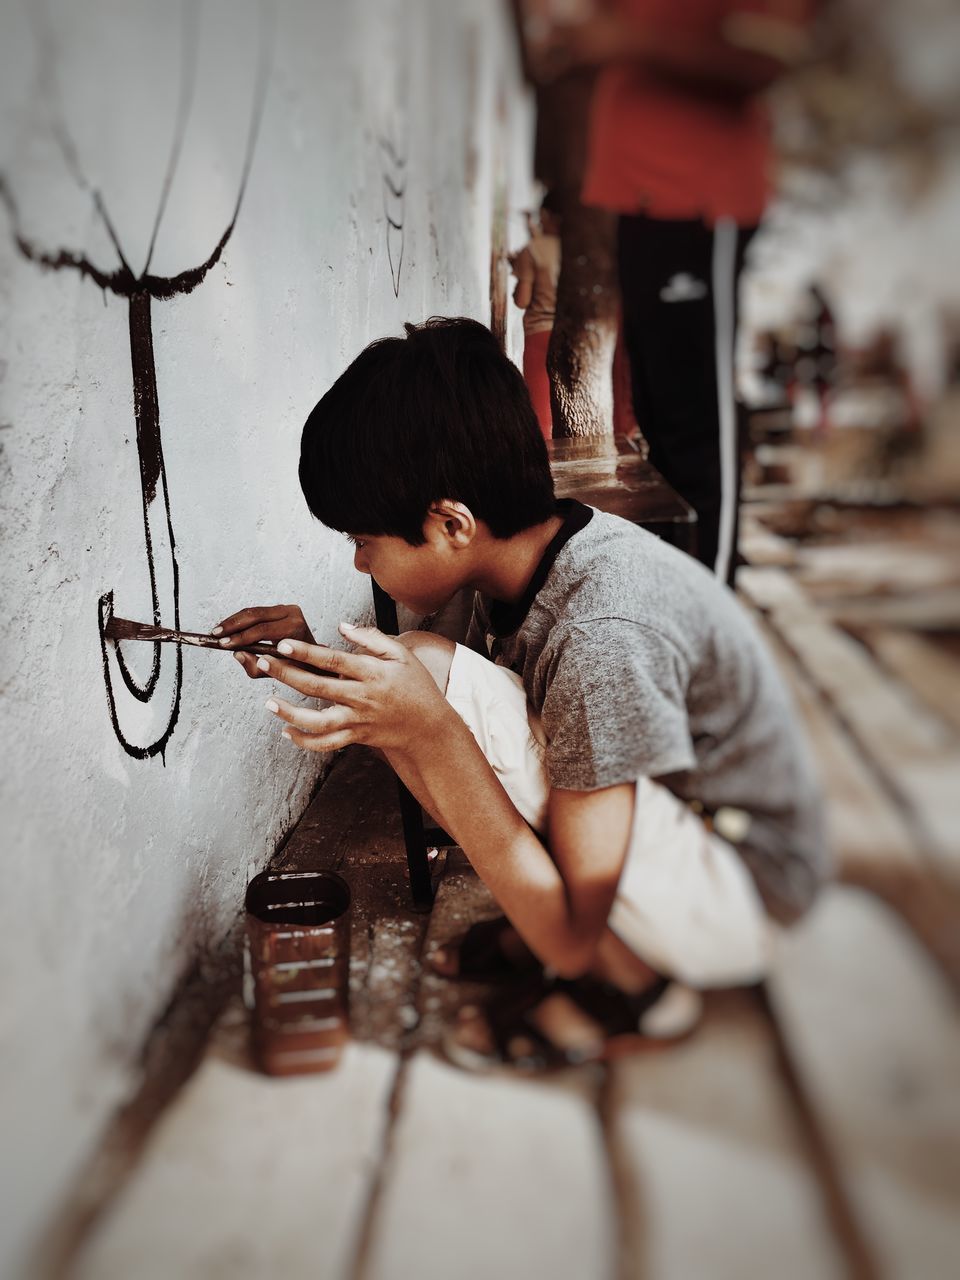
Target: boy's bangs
[351,481]
[373,513]
[441,413]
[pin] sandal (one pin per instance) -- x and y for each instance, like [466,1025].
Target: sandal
[663,1015]
[481,956]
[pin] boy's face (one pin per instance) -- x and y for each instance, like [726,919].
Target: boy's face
[422,578]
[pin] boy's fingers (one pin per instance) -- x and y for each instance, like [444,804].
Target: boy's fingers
[308,719]
[311,742]
[373,641]
[247,617]
[315,684]
[249,664]
[259,631]
[352,666]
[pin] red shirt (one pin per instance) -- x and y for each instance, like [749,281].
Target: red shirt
[659,147]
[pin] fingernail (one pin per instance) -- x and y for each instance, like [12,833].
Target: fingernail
[285,733]
[285,647]
[225,640]
[271,705]
[217,631]
[349,626]
[263,664]
[238,657]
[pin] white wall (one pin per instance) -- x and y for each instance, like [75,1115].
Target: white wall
[119,871]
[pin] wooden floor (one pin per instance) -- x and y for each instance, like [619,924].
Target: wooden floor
[809,1130]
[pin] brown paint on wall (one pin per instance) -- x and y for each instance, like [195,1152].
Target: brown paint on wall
[140,291]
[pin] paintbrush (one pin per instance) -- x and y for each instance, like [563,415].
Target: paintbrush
[124,629]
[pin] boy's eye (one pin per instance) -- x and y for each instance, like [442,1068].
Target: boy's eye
[357,542]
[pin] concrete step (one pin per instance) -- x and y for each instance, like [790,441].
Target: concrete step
[714,1179]
[917,754]
[494,1176]
[249,1177]
[873,1032]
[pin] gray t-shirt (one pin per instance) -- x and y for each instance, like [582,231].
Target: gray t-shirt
[641,663]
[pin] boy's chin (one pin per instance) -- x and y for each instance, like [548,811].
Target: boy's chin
[425,608]
[422,606]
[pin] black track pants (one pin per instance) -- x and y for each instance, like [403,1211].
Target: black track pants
[679,285]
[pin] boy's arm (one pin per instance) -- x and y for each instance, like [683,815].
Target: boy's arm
[558,904]
[558,901]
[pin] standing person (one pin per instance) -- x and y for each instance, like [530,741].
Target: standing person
[678,148]
[537,268]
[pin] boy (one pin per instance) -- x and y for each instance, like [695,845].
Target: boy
[655,813]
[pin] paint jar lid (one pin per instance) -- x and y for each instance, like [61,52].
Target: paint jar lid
[309,899]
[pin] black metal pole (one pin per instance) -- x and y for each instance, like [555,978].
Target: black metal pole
[411,815]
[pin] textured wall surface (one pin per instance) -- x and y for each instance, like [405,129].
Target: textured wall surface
[382,144]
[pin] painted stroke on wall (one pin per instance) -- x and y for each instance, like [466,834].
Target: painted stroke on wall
[140,291]
[394,189]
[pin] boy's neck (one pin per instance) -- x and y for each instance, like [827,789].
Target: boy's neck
[506,565]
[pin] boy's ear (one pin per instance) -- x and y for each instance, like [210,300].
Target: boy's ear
[452,521]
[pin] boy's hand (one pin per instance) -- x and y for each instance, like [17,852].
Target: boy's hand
[383,698]
[273,623]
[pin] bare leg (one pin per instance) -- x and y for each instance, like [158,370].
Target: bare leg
[615,962]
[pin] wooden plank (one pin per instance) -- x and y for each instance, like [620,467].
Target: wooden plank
[715,1173]
[892,566]
[674,1121]
[494,1176]
[888,720]
[867,834]
[872,844]
[937,610]
[250,1177]
[761,546]
[487,1175]
[873,1034]
[918,756]
[930,672]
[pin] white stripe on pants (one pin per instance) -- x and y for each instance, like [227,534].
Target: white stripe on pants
[724,268]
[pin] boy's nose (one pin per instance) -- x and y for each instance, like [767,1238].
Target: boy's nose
[360,561]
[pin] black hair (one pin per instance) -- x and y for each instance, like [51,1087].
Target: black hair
[441,413]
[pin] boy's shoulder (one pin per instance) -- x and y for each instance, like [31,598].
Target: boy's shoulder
[612,568]
[614,582]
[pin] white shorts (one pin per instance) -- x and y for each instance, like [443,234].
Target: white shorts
[686,903]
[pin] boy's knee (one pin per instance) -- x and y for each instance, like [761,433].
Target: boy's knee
[435,652]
